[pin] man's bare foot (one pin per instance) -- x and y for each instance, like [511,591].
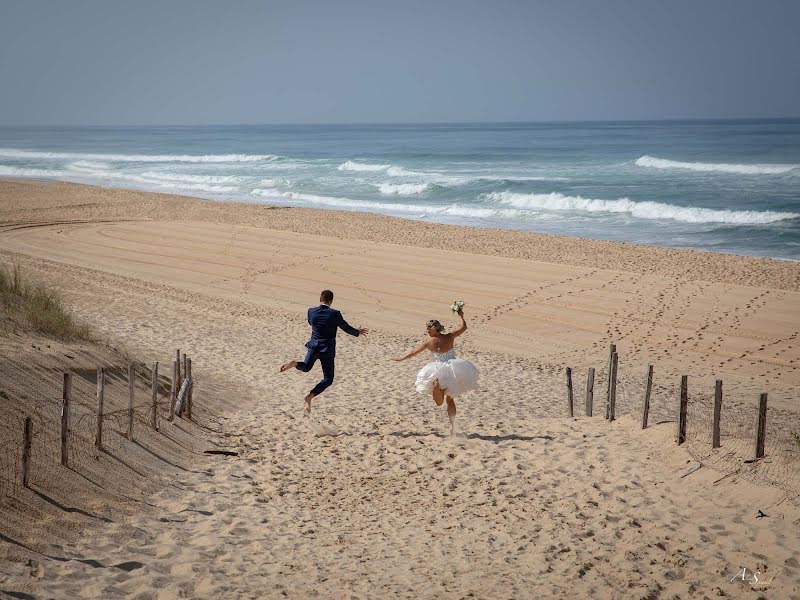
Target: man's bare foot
[289,365]
[308,399]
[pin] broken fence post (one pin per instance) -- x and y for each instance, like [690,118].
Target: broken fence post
[173,392]
[182,396]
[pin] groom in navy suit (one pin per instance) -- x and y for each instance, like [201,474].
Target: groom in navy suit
[324,321]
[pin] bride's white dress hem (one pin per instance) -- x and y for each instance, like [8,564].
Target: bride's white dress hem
[456,376]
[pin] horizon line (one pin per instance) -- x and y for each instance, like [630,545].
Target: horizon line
[407,123]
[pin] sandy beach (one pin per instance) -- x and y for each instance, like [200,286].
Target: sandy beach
[369,497]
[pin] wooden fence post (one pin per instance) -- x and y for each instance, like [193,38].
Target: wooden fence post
[182,396]
[154,420]
[611,352]
[647,387]
[715,442]
[191,388]
[173,392]
[178,360]
[569,392]
[131,385]
[27,435]
[612,395]
[66,400]
[684,402]
[589,391]
[761,426]
[101,392]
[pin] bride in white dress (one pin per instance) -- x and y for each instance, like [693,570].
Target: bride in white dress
[447,376]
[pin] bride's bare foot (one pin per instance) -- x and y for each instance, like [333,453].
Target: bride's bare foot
[289,365]
[308,399]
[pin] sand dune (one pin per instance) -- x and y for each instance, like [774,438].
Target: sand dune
[369,497]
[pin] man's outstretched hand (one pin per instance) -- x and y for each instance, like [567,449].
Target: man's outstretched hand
[363,331]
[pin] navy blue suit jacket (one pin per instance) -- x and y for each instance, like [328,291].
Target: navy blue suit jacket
[325,321]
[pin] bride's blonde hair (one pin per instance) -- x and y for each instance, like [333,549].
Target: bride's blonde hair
[436,325]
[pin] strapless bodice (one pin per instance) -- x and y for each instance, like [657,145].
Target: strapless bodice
[444,356]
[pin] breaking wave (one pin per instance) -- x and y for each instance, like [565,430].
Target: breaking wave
[23,172]
[172,177]
[454,210]
[404,189]
[641,210]
[663,163]
[356,166]
[83,173]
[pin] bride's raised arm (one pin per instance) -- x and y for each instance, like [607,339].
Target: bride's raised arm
[462,328]
[413,352]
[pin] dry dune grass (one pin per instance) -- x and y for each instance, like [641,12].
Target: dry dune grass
[31,305]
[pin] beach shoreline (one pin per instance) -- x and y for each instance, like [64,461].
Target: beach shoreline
[17,194]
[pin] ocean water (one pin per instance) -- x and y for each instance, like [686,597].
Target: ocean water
[726,186]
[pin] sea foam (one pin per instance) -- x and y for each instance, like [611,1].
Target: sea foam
[173,177]
[454,210]
[743,169]
[640,210]
[89,166]
[404,189]
[356,166]
[89,171]
[6,171]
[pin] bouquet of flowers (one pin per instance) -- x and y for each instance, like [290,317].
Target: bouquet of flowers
[457,306]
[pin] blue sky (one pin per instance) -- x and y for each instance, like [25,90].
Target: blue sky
[346,61]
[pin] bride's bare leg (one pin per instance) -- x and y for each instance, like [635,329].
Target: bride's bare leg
[438,393]
[451,413]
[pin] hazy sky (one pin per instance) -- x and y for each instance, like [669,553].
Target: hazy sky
[350,61]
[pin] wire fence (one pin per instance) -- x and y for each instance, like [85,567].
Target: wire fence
[738,422]
[88,431]
[41,399]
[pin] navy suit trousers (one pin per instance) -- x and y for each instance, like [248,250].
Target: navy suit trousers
[326,360]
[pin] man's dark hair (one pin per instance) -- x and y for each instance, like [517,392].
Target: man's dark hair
[326,297]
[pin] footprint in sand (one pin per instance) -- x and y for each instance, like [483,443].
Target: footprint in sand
[322,430]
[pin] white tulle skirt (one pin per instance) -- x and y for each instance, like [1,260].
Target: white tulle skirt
[456,376]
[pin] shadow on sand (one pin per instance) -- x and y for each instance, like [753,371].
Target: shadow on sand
[495,439]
